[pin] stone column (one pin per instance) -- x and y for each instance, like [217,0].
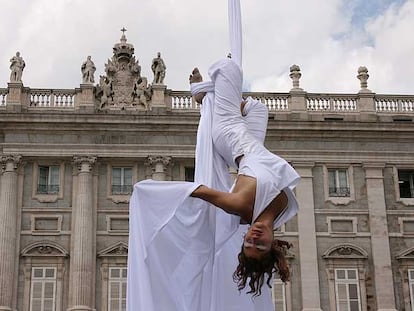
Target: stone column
[380,244]
[307,239]
[8,230]
[159,165]
[82,257]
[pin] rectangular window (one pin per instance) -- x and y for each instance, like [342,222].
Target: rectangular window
[411,284]
[347,290]
[121,180]
[189,174]
[279,295]
[338,183]
[43,289]
[117,289]
[406,183]
[48,182]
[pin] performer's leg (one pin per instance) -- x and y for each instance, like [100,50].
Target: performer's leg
[256,114]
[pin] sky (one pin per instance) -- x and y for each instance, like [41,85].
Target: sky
[328,39]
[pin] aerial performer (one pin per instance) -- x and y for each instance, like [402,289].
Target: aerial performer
[184,244]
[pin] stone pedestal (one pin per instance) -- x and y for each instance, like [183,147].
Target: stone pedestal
[14,98]
[307,239]
[8,230]
[158,95]
[159,165]
[82,257]
[86,103]
[380,244]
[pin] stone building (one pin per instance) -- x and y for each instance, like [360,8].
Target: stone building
[69,159]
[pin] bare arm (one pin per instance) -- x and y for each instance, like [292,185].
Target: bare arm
[239,202]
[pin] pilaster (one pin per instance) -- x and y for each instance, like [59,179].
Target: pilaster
[159,165]
[8,229]
[83,259]
[87,102]
[307,239]
[384,285]
[14,97]
[158,95]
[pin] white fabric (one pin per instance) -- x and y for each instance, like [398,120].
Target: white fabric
[182,251]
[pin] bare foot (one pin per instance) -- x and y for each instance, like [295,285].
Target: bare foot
[195,76]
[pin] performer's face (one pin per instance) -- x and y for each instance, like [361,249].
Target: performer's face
[257,241]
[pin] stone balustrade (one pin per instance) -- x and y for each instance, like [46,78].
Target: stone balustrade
[50,99]
[394,103]
[47,98]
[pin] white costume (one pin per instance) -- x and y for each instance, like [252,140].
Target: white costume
[182,251]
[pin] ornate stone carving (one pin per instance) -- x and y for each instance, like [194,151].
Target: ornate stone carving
[345,251]
[123,87]
[17,65]
[295,75]
[44,248]
[14,161]
[363,77]
[84,163]
[162,161]
[118,249]
[158,68]
[88,70]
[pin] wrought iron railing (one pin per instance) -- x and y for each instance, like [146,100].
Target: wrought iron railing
[339,192]
[47,189]
[121,189]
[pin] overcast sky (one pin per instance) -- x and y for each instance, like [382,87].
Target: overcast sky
[328,39]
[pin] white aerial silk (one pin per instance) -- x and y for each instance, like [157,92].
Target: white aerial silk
[182,251]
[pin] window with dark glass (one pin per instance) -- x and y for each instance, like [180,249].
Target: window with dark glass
[48,182]
[121,180]
[406,183]
[338,183]
[189,174]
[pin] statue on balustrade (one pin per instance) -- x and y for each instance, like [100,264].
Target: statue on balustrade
[142,92]
[16,67]
[88,70]
[158,68]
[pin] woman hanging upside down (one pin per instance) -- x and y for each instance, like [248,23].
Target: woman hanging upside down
[262,193]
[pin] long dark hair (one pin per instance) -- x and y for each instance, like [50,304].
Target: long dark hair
[261,270]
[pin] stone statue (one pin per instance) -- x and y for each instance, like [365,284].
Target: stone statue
[16,67]
[88,70]
[158,68]
[105,86]
[142,92]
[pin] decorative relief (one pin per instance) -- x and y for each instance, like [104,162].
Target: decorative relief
[348,251]
[15,160]
[44,248]
[164,161]
[123,87]
[116,250]
[84,163]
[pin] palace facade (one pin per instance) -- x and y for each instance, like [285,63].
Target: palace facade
[69,159]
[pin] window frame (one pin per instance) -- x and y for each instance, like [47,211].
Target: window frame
[122,179]
[48,197]
[396,169]
[339,200]
[43,280]
[346,281]
[121,197]
[121,281]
